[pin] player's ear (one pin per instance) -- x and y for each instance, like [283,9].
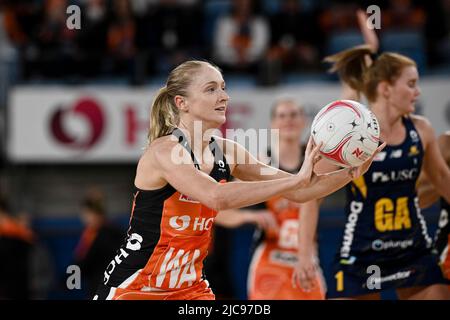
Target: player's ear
[180,102]
[384,89]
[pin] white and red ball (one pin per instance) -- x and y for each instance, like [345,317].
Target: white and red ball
[349,131]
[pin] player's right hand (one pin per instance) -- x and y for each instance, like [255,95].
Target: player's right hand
[356,172]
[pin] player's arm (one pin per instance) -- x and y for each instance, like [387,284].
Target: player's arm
[434,164]
[185,178]
[234,218]
[308,227]
[320,186]
[371,40]
[426,192]
[254,170]
[369,35]
[444,146]
[305,270]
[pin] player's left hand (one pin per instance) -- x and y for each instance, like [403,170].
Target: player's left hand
[305,272]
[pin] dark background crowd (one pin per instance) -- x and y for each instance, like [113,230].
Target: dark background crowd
[140,39]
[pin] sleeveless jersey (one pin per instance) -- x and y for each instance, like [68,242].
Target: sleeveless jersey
[384,222]
[168,236]
[286,213]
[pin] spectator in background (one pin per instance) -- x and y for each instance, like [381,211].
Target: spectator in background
[403,31]
[338,17]
[91,38]
[168,34]
[15,246]
[337,21]
[295,37]
[443,44]
[10,32]
[97,244]
[403,15]
[120,38]
[8,58]
[14,16]
[19,23]
[55,42]
[241,39]
[295,43]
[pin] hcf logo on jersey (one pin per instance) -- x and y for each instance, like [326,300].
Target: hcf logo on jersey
[181,223]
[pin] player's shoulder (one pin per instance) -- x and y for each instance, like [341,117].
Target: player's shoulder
[228,146]
[155,160]
[161,149]
[420,122]
[445,138]
[162,144]
[444,145]
[425,128]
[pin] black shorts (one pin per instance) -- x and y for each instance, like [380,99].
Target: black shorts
[361,279]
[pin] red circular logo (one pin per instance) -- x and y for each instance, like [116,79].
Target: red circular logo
[91,111]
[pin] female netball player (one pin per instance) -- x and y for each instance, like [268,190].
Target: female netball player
[271,268]
[385,243]
[177,196]
[428,195]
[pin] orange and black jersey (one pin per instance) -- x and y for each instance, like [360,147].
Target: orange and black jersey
[168,236]
[282,209]
[443,231]
[442,239]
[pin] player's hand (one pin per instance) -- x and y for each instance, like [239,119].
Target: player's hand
[312,156]
[265,220]
[356,172]
[305,272]
[369,35]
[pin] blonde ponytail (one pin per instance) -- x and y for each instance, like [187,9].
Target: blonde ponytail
[164,116]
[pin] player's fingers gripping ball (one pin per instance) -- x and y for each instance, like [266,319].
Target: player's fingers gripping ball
[349,132]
